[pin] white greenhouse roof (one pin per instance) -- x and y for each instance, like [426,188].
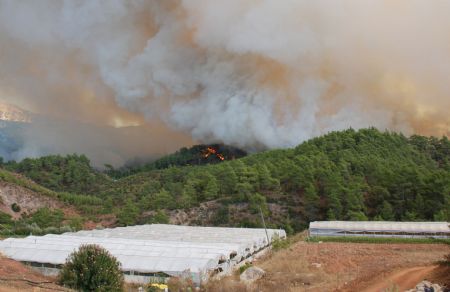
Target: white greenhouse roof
[413,227]
[251,239]
[149,248]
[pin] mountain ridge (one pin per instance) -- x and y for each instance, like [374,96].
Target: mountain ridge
[346,175]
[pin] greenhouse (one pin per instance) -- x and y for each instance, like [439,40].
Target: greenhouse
[380,229]
[149,253]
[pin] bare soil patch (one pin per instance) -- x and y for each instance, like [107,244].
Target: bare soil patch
[345,267]
[15,276]
[28,200]
[402,280]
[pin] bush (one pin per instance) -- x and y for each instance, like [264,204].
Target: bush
[160,218]
[5,218]
[15,207]
[51,230]
[180,284]
[46,217]
[92,268]
[278,244]
[244,267]
[26,229]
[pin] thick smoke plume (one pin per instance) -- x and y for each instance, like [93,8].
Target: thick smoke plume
[252,73]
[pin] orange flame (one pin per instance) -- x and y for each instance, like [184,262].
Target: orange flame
[211,151]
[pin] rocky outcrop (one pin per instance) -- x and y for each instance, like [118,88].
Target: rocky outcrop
[252,274]
[426,286]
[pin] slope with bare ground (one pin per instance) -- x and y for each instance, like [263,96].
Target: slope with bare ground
[15,277]
[343,267]
[403,280]
[28,195]
[28,200]
[347,266]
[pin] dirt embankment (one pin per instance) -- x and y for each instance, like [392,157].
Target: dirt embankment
[346,267]
[29,201]
[15,277]
[402,280]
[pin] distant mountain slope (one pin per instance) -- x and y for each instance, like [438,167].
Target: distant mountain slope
[10,138]
[13,113]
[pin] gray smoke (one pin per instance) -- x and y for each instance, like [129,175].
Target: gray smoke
[252,73]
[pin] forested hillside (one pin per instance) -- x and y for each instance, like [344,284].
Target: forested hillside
[195,155]
[71,173]
[348,175]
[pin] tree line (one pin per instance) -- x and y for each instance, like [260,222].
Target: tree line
[346,175]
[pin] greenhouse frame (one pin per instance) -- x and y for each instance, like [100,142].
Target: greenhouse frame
[380,229]
[149,253]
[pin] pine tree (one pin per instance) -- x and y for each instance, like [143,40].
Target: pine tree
[128,214]
[387,213]
[311,203]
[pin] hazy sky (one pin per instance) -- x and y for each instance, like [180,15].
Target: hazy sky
[252,73]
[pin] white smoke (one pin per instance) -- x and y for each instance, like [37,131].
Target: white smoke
[253,73]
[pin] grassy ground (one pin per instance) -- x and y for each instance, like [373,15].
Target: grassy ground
[357,239]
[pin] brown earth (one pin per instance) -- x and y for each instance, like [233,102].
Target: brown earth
[345,267]
[102,221]
[440,275]
[349,266]
[28,200]
[15,277]
[402,280]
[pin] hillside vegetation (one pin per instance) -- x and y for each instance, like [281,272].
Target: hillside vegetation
[347,175]
[194,155]
[72,173]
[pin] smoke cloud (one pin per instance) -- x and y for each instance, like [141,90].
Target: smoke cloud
[253,73]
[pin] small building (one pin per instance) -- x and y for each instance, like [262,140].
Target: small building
[149,253]
[380,229]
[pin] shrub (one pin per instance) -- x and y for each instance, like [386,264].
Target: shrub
[26,229]
[46,217]
[5,218]
[244,267]
[278,244]
[180,284]
[92,268]
[15,207]
[51,230]
[66,228]
[160,217]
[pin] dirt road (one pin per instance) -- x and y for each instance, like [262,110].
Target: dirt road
[403,280]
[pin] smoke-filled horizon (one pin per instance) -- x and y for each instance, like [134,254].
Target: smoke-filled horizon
[255,74]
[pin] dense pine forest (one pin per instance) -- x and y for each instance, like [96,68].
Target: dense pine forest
[347,175]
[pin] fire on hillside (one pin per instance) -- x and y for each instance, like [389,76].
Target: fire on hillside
[212,151]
